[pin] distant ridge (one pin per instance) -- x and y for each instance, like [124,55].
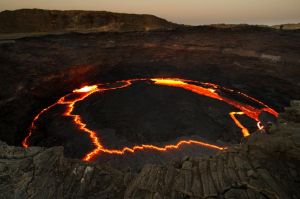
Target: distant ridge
[39,21]
[291,26]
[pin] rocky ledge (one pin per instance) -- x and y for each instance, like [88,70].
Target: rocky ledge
[39,21]
[263,166]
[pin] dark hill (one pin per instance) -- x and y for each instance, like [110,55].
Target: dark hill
[37,20]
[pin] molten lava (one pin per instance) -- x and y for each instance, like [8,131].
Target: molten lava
[245,131]
[208,90]
[86,89]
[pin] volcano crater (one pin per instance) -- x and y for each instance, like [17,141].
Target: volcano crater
[134,113]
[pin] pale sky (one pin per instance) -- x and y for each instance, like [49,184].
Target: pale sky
[192,12]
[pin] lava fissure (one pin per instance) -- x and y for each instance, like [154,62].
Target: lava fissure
[84,92]
[245,131]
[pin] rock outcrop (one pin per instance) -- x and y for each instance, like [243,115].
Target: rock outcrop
[45,173]
[39,21]
[264,166]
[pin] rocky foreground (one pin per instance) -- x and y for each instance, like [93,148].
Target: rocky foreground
[264,166]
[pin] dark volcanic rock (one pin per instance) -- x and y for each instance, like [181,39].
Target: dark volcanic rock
[142,113]
[35,72]
[45,173]
[38,21]
[266,166]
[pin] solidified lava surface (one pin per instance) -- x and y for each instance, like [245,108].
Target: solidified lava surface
[37,71]
[138,121]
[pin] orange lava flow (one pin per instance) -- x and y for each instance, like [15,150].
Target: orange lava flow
[164,148]
[32,126]
[248,110]
[71,99]
[245,131]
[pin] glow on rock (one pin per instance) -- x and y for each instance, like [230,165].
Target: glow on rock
[208,90]
[86,89]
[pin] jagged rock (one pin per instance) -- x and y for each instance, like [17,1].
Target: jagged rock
[251,173]
[265,166]
[187,165]
[292,113]
[256,169]
[47,174]
[295,103]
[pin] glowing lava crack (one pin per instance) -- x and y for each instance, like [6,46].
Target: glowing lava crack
[206,89]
